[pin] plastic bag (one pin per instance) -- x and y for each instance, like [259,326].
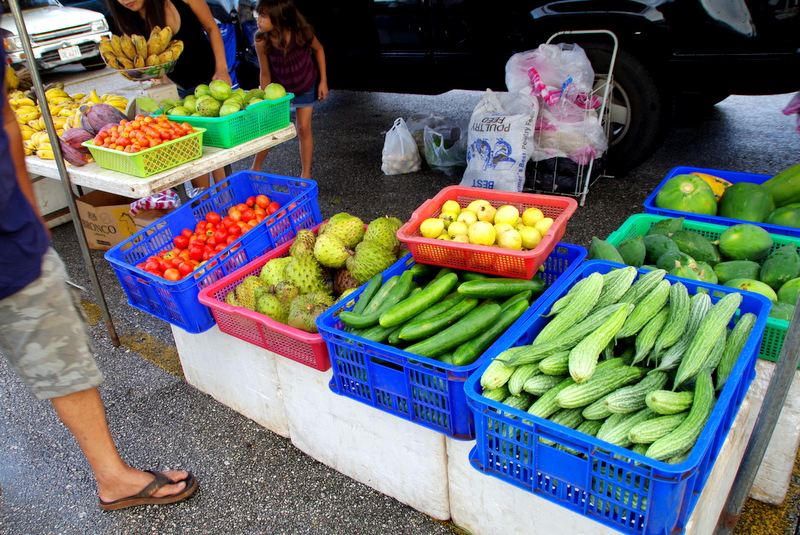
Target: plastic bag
[577,136]
[794,107]
[445,148]
[500,141]
[400,153]
[553,72]
[163,199]
[417,122]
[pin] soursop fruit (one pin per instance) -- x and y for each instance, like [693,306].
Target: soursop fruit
[230,298]
[245,291]
[306,273]
[343,281]
[303,243]
[341,216]
[331,251]
[384,231]
[349,229]
[285,291]
[369,259]
[272,271]
[304,309]
[270,305]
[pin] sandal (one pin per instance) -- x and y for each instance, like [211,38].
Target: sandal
[145,497]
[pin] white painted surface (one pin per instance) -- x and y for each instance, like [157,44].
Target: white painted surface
[235,373]
[392,455]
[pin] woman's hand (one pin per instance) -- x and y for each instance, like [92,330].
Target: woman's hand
[224,76]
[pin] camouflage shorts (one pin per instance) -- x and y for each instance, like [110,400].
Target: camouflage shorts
[44,334]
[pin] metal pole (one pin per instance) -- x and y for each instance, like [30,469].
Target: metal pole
[62,168]
[774,399]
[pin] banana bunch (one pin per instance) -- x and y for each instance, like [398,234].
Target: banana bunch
[39,144]
[136,51]
[12,79]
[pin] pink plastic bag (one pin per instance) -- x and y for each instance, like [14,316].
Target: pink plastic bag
[794,107]
[161,200]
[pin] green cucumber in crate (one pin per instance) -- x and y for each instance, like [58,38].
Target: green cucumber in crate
[426,327]
[498,287]
[476,321]
[369,292]
[398,289]
[414,304]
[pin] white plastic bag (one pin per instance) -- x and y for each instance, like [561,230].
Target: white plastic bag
[500,141]
[577,136]
[400,152]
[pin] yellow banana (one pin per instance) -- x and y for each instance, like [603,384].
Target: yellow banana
[94,97]
[40,137]
[59,122]
[29,147]
[26,134]
[27,109]
[26,118]
[45,154]
[78,96]
[55,92]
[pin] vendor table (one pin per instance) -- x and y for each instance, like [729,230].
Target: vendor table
[93,176]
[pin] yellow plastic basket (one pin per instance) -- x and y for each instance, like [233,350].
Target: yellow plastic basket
[150,161]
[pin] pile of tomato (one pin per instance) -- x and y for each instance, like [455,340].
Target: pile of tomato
[192,248]
[143,132]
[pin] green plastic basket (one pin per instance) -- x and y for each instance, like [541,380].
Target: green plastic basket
[257,120]
[639,224]
[150,161]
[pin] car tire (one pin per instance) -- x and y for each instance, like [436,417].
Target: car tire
[638,112]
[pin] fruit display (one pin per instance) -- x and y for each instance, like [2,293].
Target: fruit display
[775,201]
[480,223]
[68,112]
[153,55]
[192,248]
[320,268]
[217,99]
[633,359]
[440,313]
[742,256]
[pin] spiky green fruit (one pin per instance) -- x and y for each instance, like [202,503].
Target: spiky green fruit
[303,243]
[369,259]
[306,273]
[245,291]
[272,271]
[384,231]
[349,229]
[331,251]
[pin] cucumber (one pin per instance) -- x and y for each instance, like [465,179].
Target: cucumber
[476,321]
[470,350]
[439,274]
[373,285]
[397,293]
[423,271]
[413,305]
[472,275]
[495,287]
[418,330]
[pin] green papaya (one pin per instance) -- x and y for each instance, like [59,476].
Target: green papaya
[784,188]
[706,272]
[752,285]
[746,200]
[604,250]
[666,226]
[790,291]
[633,250]
[697,246]
[781,311]
[673,259]
[787,216]
[782,265]
[656,245]
[736,269]
[745,242]
[687,193]
[687,272]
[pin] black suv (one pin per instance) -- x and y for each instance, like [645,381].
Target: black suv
[694,51]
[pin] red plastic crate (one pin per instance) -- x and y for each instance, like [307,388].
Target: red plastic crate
[295,344]
[481,258]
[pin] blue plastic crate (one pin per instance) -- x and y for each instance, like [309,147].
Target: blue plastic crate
[610,484]
[651,208]
[177,301]
[425,391]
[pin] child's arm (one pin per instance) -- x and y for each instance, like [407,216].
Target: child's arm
[203,13]
[319,55]
[263,63]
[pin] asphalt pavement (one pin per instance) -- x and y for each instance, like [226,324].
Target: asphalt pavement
[253,481]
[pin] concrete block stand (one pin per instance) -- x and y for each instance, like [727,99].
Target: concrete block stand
[393,456]
[236,373]
[485,505]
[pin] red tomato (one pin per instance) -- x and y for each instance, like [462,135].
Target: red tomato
[164,265]
[251,201]
[196,253]
[273,207]
[213,217]
[187,232]
[220,247]
[235,215]
[262,201]
[242,207]
[226,221]
[248,215]
[185,268]
[181,241]
[212,241]
[151,265]
[220,235]
[234,230]
[230,239]
[172,274]
[168,255]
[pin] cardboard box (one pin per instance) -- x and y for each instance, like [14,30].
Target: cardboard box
[106,219]
[143,218]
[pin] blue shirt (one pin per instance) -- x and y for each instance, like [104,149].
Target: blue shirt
[23,237]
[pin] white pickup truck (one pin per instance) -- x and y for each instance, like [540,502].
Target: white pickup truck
[59,35]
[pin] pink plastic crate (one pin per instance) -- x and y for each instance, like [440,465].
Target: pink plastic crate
[481,258]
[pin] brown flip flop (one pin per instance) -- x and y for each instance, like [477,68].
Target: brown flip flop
[145,497]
